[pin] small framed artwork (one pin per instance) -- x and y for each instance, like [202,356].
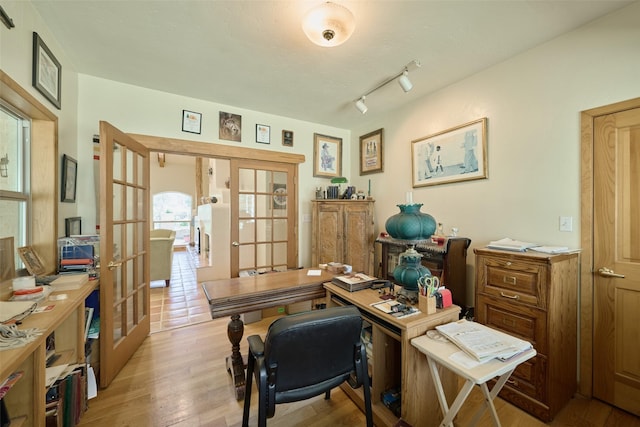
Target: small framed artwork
[263,134]
[31,261]
[46,72]
[287,138]
[69,179]
[327,156]
[230,126]
[371,152]
[73,226]
[279,196]
[453,155]
[191,121]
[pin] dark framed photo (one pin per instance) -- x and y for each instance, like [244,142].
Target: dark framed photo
[371,152]
[69,179]
[230,127]
[47,72]
[327,156]
[72,226]
[263,134]
[287,138]
[191,121]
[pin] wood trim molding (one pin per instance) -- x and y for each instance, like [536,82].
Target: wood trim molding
[206,149]
[587,117]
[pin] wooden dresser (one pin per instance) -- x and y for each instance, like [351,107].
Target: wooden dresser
[533,296]
[342,231]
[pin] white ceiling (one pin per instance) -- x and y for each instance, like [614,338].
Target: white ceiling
[253,54]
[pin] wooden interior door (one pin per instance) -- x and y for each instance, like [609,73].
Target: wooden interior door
[616,236]
[124,249]
[264,212]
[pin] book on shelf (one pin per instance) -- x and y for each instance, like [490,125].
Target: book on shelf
[482,342]
[354,282]
[6,385]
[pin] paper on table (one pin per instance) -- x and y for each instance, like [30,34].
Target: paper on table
[510,245]
[551,249]
[314,273]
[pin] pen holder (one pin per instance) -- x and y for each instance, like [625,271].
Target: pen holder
[427,305]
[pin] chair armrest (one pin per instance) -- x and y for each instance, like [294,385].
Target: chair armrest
[256,345]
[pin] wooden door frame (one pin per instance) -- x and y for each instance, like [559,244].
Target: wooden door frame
[586,303]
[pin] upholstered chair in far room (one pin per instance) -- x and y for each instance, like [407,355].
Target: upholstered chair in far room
[304,355]
[161,254]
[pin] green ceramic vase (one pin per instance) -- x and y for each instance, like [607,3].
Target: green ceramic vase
[410,223]
[410,269]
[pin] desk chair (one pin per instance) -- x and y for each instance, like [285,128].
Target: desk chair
[304,355]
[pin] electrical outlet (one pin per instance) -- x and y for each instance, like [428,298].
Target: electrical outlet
[566,223]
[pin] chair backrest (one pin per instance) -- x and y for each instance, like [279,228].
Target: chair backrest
[311,351]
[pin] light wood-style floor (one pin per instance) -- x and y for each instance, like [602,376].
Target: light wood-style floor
[178,378]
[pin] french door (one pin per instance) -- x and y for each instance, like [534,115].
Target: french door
[124,249]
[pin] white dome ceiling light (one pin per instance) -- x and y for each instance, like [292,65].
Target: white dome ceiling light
[329,24]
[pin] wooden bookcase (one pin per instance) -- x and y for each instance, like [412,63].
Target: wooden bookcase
[25,401]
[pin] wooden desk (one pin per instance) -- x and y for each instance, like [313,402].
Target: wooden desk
[27,397]
[439,353]
[395,363]
[232,297]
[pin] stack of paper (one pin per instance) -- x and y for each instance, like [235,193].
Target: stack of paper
[511,245]
[481,342]
[69,282]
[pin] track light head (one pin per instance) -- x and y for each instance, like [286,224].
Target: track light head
[361,106]
[404,81]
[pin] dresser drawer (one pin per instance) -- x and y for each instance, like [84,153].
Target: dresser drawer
[518,320]
[512,280]
[529,378]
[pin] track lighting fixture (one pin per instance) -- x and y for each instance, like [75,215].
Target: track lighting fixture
[403,80]
[361,106]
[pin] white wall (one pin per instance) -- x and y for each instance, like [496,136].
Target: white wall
[533,103]
[139,110]
[16,60]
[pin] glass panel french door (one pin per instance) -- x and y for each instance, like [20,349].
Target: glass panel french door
[124,249]
[263,216]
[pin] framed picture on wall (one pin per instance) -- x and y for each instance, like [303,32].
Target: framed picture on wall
[327,156]
[46,72]
[191,121]
[263,134]
[453,155]
[287,138]
[69,179]
[72,226]
[371,152]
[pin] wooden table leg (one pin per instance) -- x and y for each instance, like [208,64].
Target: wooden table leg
[235,363]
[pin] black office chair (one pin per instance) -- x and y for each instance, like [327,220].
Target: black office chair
[305,355]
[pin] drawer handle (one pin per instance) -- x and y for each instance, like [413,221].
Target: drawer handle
[502,294]
[509,280]
[513,383]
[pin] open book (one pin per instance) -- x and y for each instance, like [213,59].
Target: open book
[481,342]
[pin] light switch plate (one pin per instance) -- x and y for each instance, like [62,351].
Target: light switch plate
[566,223]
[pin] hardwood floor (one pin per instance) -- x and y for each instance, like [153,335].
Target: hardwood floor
[178,378]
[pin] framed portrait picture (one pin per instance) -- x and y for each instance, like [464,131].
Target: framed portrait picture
[287,138]
[371,152]
[46,72]
[191,121]
[230,127]
[263,134]
[327,156]
[453,155]
[31,260]
[72,226]
[69,179]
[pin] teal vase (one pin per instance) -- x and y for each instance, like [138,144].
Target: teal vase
[410,223]
[410,269]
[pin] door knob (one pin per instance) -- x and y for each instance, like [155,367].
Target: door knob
[607,272]
[235,244]
[113,265]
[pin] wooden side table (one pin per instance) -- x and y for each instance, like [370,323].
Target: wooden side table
[439,353]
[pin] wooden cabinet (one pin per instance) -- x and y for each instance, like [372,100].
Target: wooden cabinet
[533,296]
[394,364]
[342,231]
[26,399]
[448,261]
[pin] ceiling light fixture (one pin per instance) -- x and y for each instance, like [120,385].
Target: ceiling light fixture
[403,80]
[328,24]
[361,106]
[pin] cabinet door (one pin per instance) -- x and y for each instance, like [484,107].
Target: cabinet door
[328,234]
[357,236]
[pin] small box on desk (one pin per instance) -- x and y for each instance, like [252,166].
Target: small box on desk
[427,305]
